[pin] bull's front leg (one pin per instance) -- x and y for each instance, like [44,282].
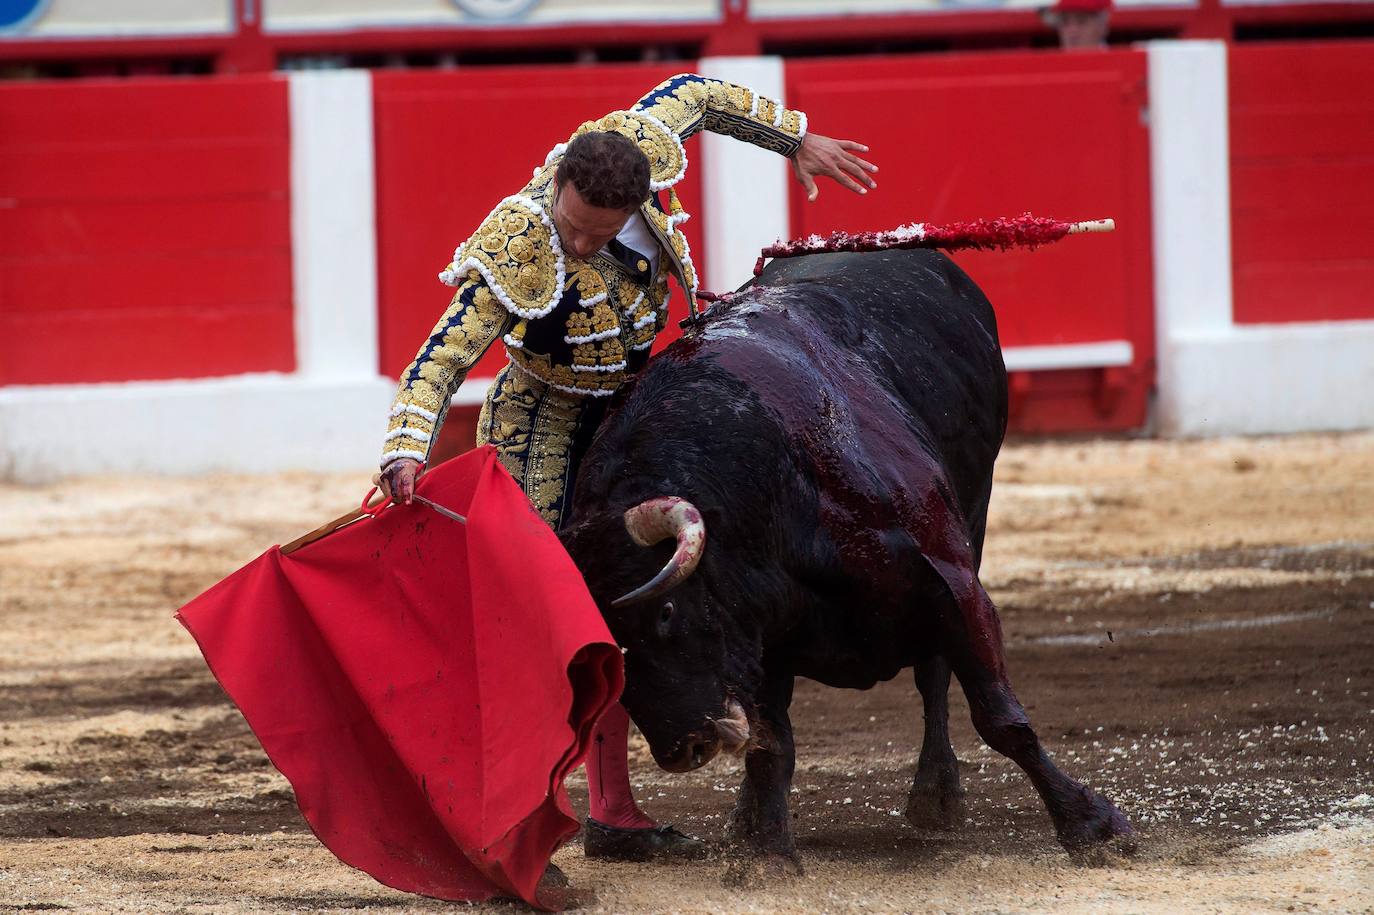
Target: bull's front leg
[761,821]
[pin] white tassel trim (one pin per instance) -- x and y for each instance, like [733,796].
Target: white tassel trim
[801,128]
[421,412]
[754,108]
[554,153]
[594,300]
[687,261]
[629,312]
[646,320]
[643,346]
[676,220]
[778,114]
[452,276]
[397,455]
[664,185]
[613,367]
[418,434]
[512,342]
[592,338]
[580,392]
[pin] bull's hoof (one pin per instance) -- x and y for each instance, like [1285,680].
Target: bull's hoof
[934,808]
[1102,837]
[762,867]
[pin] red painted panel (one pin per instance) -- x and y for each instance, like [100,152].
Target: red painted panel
[147,232]
[185,284]
[89,345]
[90,228]
[963,136]
[450,145]
[1302,181]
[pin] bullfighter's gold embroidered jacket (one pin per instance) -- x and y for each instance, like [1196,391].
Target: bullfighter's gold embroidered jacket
[580,326]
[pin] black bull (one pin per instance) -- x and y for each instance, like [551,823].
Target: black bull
[835,427]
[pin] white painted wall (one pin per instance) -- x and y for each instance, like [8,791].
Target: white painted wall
[333,223]
[248,423]
[1270,378]
[744,188]
[1216,377]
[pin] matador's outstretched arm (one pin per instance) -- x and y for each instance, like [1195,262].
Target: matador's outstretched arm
[688,103]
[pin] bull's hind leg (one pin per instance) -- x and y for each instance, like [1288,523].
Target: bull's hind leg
[936,800]
[972,637]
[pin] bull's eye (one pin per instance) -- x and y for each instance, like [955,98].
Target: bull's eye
[665,619]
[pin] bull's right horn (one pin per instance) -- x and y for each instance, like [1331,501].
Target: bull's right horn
[657,519]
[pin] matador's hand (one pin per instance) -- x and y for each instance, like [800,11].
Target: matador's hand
[398,480]
[820,155]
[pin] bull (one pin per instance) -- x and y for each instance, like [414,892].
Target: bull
[799,487]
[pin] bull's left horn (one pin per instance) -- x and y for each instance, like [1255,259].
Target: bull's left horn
[658,519]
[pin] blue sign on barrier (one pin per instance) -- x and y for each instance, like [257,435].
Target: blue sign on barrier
[17,15]
[508,10]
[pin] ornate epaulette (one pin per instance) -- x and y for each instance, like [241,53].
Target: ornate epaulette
[667,158]
[517,252]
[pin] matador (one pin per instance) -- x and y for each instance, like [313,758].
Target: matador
[571,275]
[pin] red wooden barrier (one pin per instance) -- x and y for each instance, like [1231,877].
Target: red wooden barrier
[147,230]
[963,136]
[450,145]
[1302,181]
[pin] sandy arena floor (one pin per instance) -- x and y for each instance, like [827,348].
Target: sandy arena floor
[1190,624]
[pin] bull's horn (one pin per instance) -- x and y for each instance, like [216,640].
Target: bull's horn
[658,519]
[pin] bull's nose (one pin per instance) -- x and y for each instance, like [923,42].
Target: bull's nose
[699,748]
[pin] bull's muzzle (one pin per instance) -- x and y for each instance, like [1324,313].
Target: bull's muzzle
[730,734]
[655,520]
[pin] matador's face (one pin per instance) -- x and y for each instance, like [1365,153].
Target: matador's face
[583,228]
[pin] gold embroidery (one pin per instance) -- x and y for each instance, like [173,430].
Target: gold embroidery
[585,278]
[472,322]
[516,249]
[580,324]
[562,376]
[695,102]
[660,313]
[532,428]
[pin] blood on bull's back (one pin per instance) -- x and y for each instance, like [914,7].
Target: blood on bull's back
[876,363]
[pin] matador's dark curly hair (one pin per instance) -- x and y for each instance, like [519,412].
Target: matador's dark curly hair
[607,169]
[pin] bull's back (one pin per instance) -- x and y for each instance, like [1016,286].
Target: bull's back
[912,323]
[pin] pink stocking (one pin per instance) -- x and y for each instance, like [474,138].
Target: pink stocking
[608,774]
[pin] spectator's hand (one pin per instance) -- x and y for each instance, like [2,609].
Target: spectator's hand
[398,480]
[820,155]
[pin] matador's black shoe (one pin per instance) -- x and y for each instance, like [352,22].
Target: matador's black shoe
[613,843]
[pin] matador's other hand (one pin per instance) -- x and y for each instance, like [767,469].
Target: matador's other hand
[398,480]
[820,155]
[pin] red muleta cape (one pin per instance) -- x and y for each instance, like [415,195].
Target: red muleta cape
[423,684]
